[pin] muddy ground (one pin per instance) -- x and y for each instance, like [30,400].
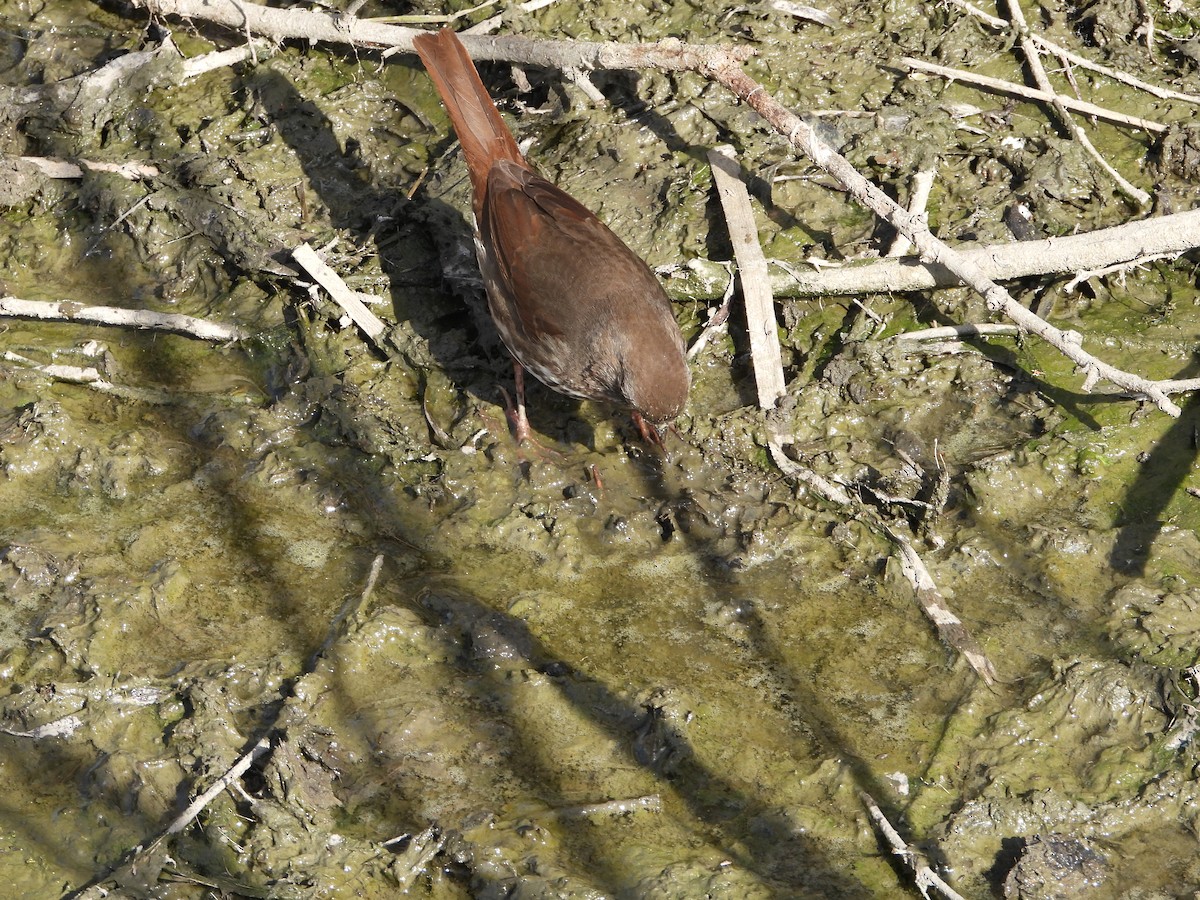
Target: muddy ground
[599,671]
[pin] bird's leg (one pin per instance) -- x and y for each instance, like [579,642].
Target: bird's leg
[516,411]
[650,434]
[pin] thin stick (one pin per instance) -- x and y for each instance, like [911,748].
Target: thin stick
[957,332]
[370,323]
[752,272]
[115,317]
[220,59]
[1121,267]
[1081,61]
[716,321]
[62,168]
[949,627]
[926,878]
[1034,60]
[648,803]
[236,771]
[1007,87]
[63,727]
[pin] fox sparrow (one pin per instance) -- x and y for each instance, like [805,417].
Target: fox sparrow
[571,302]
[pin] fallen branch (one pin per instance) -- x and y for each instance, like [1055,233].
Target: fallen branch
[801,135]
[115,317]
[1161,237]
[333,27]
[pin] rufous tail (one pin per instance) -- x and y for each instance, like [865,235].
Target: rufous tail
[483,135]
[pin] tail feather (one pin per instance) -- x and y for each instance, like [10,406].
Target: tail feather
[483,135]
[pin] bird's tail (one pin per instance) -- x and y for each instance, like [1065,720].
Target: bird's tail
[483,135]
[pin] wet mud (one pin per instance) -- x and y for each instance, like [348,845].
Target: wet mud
[589,669]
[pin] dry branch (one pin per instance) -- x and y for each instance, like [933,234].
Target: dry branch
[115,317]
[333,27]
[1082,61]
[1160,237]
[925,877]
[801,135]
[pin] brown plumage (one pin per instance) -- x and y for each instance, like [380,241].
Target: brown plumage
[572,303]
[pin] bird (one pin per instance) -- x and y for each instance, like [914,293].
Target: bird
[571,302]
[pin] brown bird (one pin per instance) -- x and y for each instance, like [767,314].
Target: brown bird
[571,302]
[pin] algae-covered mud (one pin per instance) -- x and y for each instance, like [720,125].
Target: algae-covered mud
[457,667]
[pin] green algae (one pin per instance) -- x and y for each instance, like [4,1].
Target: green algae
[599,623]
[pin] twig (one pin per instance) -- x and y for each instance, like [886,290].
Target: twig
[819,485]
[957,332]
[752,273]
[649,803]
[115,317]
[63,727]
[371,324]
[62,168]
[139,70]
[93,378]
[949,627]
[220,59]
[1034,61]
[804,12]
[1081,61]
[926,878]
[73,374]
[351,605]
[1160,237]
[716,319]
[236,771]
[436,19]
[1007,87]
[1121,267]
